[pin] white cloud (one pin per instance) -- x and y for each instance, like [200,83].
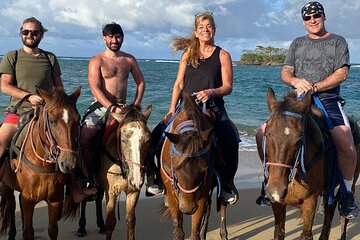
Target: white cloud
[75,26]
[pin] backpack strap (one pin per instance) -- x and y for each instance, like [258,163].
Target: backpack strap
[48,59]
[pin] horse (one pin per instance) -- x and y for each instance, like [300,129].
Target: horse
[122,158]
[40,168]
[295,161]
[187,163]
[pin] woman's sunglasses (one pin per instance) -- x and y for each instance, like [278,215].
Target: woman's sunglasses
[32,32]
[315,16]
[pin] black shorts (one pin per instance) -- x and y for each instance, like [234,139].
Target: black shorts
[334,108]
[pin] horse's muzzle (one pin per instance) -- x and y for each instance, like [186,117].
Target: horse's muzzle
[276,194]
[187,204]
[67,162]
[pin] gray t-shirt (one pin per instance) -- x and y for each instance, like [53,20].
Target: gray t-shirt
[316,59]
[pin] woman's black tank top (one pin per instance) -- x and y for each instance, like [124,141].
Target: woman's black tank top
[206,75]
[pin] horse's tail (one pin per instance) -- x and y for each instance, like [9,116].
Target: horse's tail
[5,211]
[71,209]
[164,212]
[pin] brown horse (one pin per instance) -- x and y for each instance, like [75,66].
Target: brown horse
[187,170]
[122,161]
[47,155]
[294,165]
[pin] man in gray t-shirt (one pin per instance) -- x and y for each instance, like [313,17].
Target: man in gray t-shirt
[319,63]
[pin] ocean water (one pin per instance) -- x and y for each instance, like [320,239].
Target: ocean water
[246,105]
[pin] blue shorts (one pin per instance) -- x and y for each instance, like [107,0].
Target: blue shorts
[334,108]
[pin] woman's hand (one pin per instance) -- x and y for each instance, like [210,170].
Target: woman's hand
[204,95]
[167,117]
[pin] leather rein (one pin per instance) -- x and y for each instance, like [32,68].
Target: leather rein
[50,147]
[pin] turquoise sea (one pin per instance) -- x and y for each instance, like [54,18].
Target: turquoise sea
[246,105]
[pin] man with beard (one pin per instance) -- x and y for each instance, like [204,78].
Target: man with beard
[108,79]
[21,72]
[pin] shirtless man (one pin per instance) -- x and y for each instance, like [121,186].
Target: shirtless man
[108,79]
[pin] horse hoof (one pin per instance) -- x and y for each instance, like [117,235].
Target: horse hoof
[102,230]
[81,233]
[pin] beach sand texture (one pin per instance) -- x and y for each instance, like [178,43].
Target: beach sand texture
[245,220]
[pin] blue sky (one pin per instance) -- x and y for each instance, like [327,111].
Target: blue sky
[75,26]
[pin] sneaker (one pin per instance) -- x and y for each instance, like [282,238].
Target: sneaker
[263,200]
[347,206]
[228,197]
[155,190]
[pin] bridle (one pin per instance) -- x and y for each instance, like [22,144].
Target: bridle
[186,126]
[120,160]
[49,146]
[299,159]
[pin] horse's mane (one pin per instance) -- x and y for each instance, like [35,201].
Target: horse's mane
[132,113]
[60,98]
[192,142]
[289,103]
[194,113]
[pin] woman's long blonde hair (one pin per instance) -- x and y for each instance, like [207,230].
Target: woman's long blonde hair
[191,43]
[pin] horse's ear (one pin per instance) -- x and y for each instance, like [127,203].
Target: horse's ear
[45,94]
[271,99]
[306,102]
[75,95]
[174,138]
[118,116]
[147,112]
[205,135]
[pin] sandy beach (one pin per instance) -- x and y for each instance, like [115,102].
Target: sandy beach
[245,220]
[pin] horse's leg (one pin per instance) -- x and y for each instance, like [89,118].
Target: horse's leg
[99,214]
[329,211]
[12,208]
[131,201]
[308,209]
[7,207]
[223,228]
[82,222]
[177,217]
[54,210]
[27,207]
[110,215]
[204,225]
[280,215]
[197,219]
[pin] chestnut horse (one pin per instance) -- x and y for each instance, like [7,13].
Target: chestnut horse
[295,162]
[187,169]
[122,160]
[40,170]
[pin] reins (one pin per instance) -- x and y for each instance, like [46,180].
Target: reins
[53,151]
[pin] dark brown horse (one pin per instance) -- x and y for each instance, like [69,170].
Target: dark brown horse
[295,158]
[187,170]
[123,164]
[40,169]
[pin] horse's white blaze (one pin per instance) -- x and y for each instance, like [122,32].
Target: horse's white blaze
[65,116]
[135,154]
[286,131]
[276,196]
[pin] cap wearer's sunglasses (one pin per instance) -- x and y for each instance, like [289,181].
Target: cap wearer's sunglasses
[32,32]
[315,16]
